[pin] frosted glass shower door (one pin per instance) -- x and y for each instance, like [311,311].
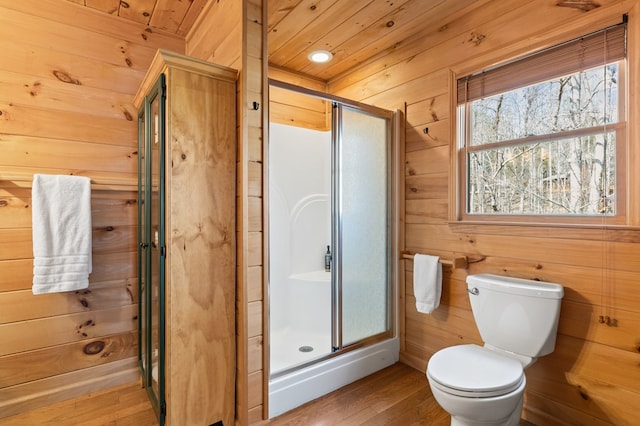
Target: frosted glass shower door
[362,160]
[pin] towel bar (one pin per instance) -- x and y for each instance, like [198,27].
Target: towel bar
[456,263]
[25,180]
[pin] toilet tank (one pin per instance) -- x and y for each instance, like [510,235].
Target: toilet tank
[515,314]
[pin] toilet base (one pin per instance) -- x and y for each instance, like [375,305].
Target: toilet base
[512,420]
[503,410]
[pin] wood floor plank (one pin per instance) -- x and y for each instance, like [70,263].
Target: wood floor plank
[397,392]
[108,407]
[397,395]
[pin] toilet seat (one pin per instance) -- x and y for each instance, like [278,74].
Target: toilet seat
[474,371]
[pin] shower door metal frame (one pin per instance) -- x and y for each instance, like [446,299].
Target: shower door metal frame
[338,345]
[392,227]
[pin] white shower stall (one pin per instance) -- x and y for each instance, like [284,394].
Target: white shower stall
[330,268]
[300,231]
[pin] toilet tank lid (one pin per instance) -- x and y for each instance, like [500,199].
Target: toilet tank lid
[504,284]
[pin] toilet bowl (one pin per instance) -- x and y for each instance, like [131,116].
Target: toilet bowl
[518,321]
[477,386]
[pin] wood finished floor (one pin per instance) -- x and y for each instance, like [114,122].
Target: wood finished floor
[398,395]
[126,405]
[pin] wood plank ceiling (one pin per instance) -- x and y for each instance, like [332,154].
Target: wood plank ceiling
[173,16]
[354,31]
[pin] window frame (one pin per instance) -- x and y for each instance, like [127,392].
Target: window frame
[461,130]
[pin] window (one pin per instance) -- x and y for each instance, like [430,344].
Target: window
[544,135]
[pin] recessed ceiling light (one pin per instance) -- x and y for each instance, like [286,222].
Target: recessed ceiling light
[320,56]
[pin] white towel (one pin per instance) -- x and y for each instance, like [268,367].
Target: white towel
[427,282]
[61,215]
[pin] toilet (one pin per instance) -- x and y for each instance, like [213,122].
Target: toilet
[518,322]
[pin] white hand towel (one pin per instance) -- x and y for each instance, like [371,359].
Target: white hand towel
[427,282]
[61,215]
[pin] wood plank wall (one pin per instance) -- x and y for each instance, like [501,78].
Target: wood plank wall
[293,109]
[238,43]
[593,375]
[67,78]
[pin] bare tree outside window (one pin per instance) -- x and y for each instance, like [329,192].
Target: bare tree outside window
[545,149]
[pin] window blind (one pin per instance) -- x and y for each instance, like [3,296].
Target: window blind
[586,52]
